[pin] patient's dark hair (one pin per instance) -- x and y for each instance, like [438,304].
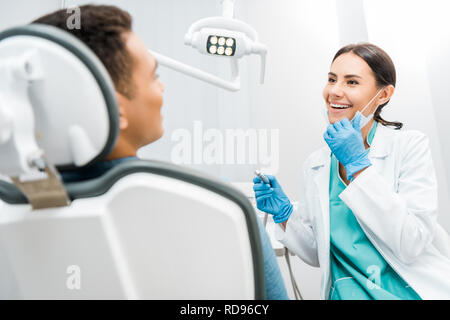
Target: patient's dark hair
[382,67]
[103,29]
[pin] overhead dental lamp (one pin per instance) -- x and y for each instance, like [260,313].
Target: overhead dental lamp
[223,37]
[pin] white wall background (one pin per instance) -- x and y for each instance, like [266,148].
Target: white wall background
[302,37]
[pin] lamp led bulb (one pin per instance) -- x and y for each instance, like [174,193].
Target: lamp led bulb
[212,49]
[213,40]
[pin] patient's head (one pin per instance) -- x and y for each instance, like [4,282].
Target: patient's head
[107,31]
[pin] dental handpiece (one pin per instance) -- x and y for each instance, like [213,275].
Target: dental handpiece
[265,180]
[262,177]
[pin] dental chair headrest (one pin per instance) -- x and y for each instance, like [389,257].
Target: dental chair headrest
[72,96]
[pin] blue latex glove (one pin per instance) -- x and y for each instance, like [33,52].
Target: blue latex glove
[270,198]
[346,143]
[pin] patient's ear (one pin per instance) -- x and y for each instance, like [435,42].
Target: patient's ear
[123,120]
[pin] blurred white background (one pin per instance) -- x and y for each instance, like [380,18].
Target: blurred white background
[302,37]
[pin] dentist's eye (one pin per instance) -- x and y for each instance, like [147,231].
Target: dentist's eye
[353,82]
[331,80]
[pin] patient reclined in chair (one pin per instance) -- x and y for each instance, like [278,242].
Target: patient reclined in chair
[142,230]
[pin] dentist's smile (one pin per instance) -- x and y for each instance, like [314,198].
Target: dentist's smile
[340,106]
[338,109]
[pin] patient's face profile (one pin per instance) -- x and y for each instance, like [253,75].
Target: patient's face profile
[141,119]
[351,83]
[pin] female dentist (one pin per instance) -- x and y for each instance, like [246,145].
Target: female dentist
[367,212]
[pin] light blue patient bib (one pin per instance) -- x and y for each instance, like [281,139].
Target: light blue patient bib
[358,271]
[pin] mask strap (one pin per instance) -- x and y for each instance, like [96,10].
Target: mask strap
[371,100]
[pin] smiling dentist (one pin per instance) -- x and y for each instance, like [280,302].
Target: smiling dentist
[367,209]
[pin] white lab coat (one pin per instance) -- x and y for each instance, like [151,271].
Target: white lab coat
[395,202]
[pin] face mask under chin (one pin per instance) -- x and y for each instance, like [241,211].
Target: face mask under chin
[364,119]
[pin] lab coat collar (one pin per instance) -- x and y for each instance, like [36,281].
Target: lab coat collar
[380,148]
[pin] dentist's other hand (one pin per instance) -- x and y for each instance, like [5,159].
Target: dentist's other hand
[346,143]
[271,199]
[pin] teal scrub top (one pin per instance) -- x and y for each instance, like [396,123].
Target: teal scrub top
[358,271]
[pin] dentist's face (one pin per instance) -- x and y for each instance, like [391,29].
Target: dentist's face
[351,85]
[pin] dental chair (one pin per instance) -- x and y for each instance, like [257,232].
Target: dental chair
[143,230]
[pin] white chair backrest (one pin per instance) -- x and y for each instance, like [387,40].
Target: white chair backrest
[75,115]
[149,236]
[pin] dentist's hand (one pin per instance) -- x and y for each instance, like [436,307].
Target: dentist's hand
[271,199]
[346,143]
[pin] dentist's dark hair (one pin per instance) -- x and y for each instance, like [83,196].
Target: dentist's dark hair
[104,30]
[382,67]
